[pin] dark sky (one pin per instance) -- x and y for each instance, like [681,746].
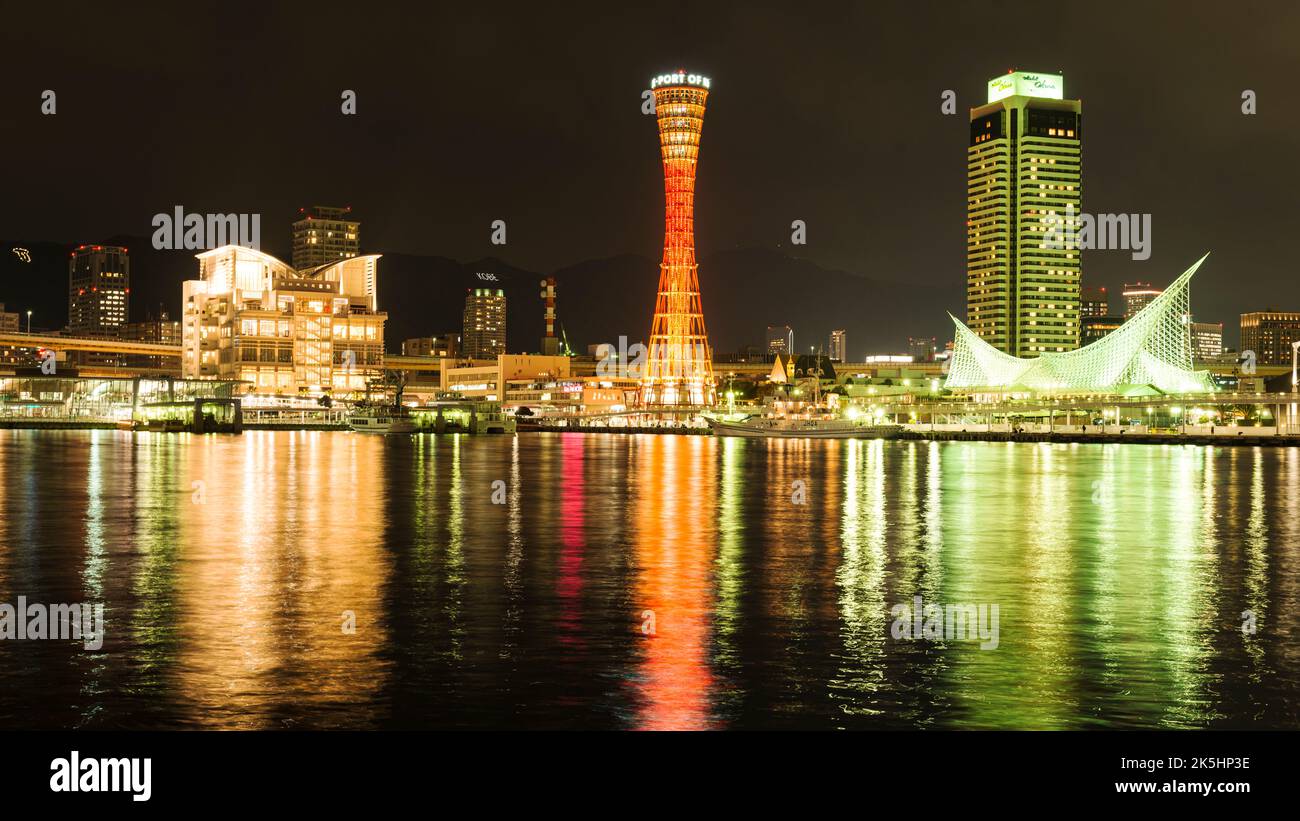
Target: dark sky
[824,112]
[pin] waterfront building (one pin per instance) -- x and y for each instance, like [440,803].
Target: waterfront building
[1270,335]
[1023,173]
[1152,352]
[280,330]
[324,234]
[487,380]
[1207,341]
[483,333]
[837,347]
[1093,302]
[1137,296]
[780,340]
[679,362]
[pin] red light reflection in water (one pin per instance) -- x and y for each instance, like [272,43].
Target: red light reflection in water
[573,537]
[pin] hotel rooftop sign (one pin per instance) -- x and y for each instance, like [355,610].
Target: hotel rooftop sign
[1026,84]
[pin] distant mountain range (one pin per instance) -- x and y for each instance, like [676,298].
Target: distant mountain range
[598,300]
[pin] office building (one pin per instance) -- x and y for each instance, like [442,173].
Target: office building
[99,293]
[446,346]
[1137,296]
[161,331]
[922,348]
[1095,327]
[780,340]
[838,349]
[1023,173]
[99,290]
[1207,341]
[483,335]
[1270,335]
[1093,302]
[10,321]
[324,235]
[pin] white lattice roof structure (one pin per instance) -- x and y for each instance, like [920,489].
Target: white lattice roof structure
[1151,352]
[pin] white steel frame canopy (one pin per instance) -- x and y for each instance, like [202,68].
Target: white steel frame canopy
[1151,352]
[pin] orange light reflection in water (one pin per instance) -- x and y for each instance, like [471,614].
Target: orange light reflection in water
[674,549]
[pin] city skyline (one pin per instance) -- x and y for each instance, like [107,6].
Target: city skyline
[1127,143]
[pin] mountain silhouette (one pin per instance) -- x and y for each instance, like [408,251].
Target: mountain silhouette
[598,300]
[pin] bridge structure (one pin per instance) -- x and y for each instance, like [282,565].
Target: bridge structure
[58,342]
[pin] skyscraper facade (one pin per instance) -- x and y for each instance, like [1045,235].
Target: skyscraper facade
[838,346]
[1023,173]
[483,334]
[99,290]
[1093,302]
[1137,296]
[780,339]
[1207,340]
[1270,334]
[324,234]
[679,363]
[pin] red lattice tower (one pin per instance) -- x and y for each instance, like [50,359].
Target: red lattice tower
[679,363]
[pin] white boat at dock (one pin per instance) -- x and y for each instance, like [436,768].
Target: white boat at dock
[382,420]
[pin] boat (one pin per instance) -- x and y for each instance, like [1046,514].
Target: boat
[380,419]
[788,428]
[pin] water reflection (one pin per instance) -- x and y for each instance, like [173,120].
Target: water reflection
[298,579]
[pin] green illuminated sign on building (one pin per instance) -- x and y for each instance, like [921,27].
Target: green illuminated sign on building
[1026,84]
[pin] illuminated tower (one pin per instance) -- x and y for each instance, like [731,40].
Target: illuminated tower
[679,363]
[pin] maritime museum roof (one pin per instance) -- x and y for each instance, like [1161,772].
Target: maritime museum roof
[1150,353]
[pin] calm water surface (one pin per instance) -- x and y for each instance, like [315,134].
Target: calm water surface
[227,563]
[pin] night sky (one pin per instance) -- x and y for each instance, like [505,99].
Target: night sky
[824,112]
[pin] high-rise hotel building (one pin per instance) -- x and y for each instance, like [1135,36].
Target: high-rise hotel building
[323,234]
[1023,172]
[282,330]
[483,334]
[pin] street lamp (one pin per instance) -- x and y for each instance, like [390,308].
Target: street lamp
[29,330]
